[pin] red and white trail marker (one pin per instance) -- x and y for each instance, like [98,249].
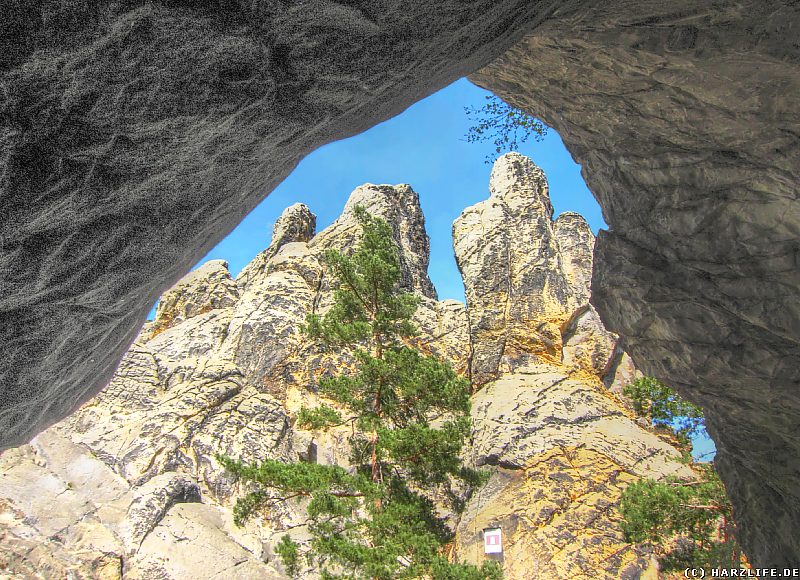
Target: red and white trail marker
[492,541]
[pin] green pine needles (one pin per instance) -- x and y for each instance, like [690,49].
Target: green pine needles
[409,415]
[654,400]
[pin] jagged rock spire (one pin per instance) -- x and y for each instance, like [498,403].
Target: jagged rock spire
[399,206]
[521,285]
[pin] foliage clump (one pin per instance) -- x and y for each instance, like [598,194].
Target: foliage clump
[655,401]
[505,126]
[688,523]
[409,415]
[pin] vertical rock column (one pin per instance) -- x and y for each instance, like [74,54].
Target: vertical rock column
[517,293]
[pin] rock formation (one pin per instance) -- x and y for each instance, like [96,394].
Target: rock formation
[685,119]
[130,484]
[562,442]
[135,135]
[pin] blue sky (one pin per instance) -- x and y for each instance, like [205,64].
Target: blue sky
[424,147]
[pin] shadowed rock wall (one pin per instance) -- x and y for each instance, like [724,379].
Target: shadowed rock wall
[686,120]
[135,135]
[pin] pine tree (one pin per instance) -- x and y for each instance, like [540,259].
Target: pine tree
[688,523]
[655,401]
[410,416]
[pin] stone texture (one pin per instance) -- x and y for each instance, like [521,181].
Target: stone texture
[134,136]
[295,224]
[159,415]
[229,380]
[587,344]
[207,288]
[66,514]
[445,331]
[522,415]
[564,445]
[150,504]
[685,119]
[520,288]
[399,206]
[191,542]
[265,329]
[220,370]
[576,249]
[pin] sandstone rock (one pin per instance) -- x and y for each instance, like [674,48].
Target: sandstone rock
[522,415]
[159,415]
[265,329]
[228,381]
[399,206]
[190,542]
[518,294]
[587,344]
[576,248]
[566,451]
[222,376]
[150,504]
[66,514]
[295,224]
[136,136]
[620,371]
[444,331]
[684,120]
[58,507]
[116,180]
[564,446]
[22,558]
[208,288]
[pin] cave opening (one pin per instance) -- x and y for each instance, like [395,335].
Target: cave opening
[424,146]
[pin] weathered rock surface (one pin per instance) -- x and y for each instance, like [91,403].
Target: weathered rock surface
[295,224]
[220,370]
[685,119]
[210,287]
[398,205]
[520,289]
[564,444]
[134,136]
[192,542]
[150,504]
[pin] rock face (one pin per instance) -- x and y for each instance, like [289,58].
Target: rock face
[134,136]
[685,120]
[399,205]
[524,275]
[563,443]
[229,368]
[208,288]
